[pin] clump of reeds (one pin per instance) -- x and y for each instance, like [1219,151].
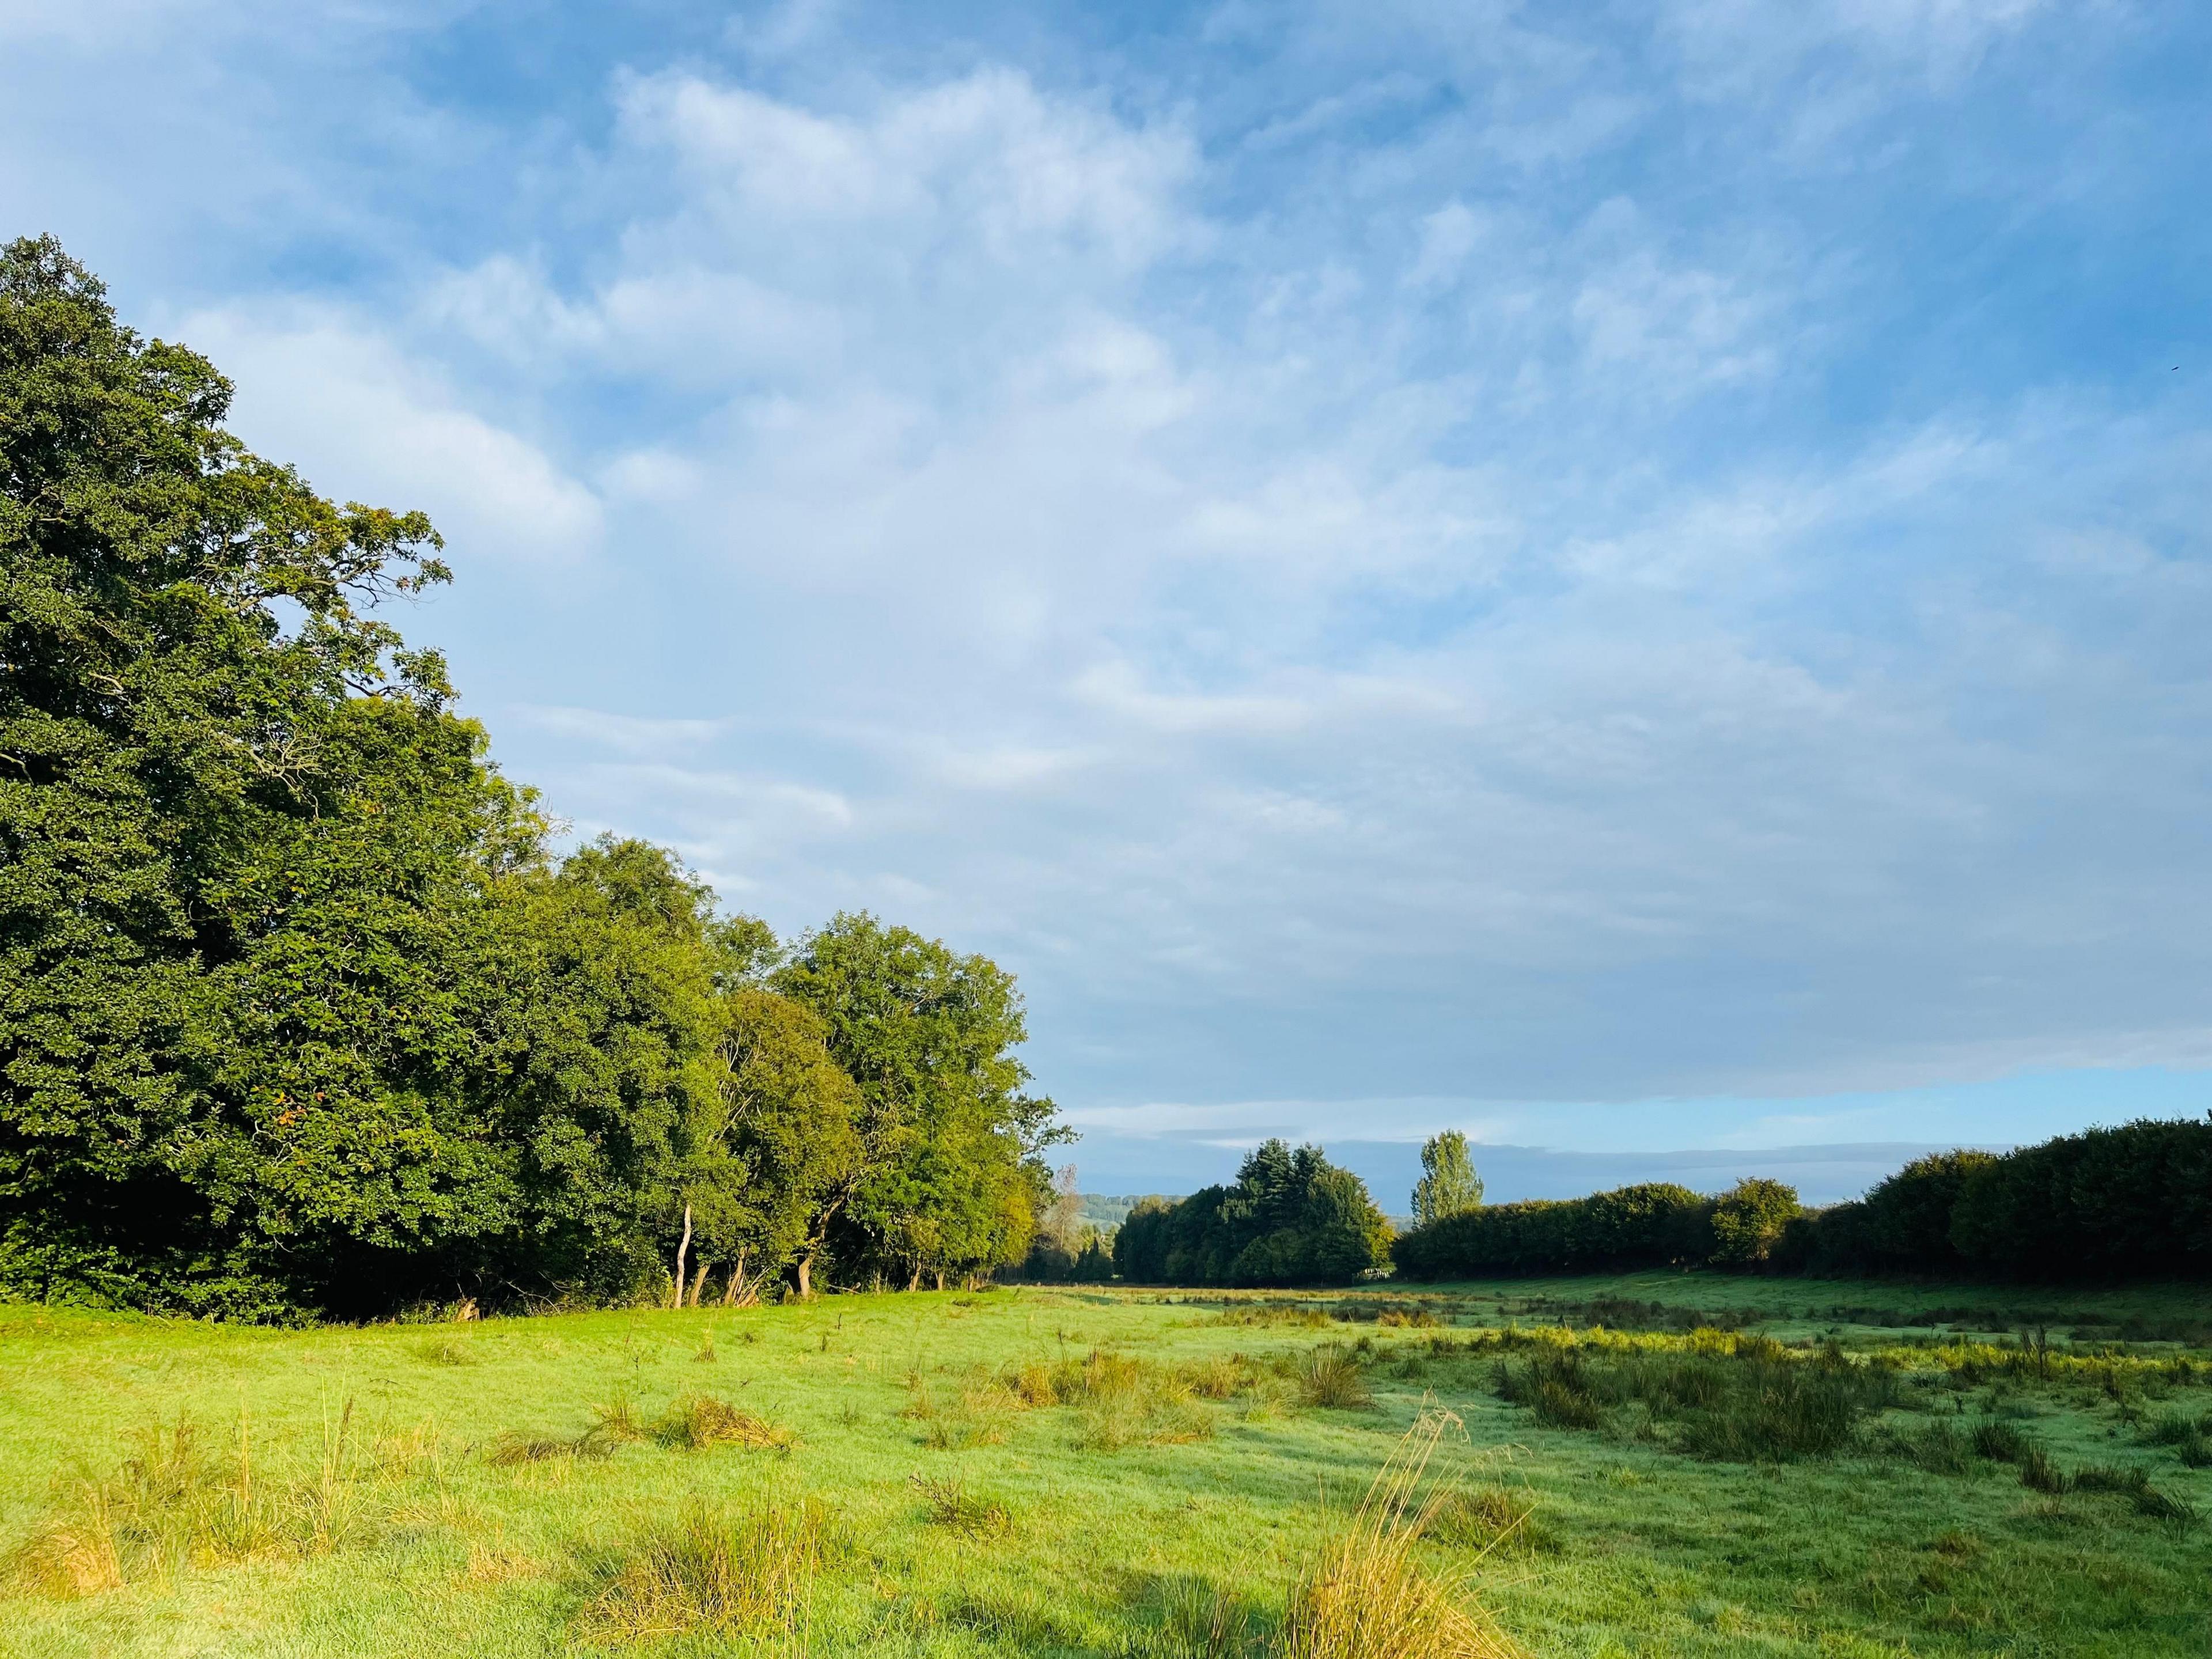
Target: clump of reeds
[1492,1519]
[975,1413]
[1332,1378]
[750,1573]
[946,1502]
[700,1422]
[1365,1593]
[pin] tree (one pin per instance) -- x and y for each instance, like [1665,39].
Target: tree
[1448,1183]
[1292,1218]
[948,1174]
[243,857]
[764,1160]
[1749,1219]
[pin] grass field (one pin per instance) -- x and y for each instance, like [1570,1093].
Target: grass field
[1114,1472]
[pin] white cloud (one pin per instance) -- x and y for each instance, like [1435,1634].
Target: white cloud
[366,423]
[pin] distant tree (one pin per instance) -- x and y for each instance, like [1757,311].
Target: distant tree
[1448,1183]
[1292,1218]
[1749,1219]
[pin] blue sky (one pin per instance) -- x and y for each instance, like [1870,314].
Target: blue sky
[1625,578]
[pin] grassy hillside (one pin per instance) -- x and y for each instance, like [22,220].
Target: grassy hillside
[956,1475]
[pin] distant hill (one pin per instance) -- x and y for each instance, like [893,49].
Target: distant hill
[1104,1211]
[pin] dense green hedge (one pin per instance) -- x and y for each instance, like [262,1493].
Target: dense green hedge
[2134,1201]
[1640,1226]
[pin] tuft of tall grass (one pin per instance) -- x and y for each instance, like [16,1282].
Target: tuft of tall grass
[169,1505]
[516,1447]
[1365,1593]
[978,1412]
[1492,1519]
[2000,1442]
[1332,1378]
[446,1351]
[2190,1437]
[946,1502]
[750,1573]
[700,1422]
[1202,1619]
[2038,1473]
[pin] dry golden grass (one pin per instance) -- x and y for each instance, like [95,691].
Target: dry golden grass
[72,1558]
[1365,1595]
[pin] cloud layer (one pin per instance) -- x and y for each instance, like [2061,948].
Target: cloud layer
[1450,556]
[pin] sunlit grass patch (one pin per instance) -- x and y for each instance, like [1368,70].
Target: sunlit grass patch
[172,1504]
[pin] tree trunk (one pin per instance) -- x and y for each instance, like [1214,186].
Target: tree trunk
[683,1250]
[698,1283]
[915,1283]
[940,1278]
[806,1278]
[736,1282]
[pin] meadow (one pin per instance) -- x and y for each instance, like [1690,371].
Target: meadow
[1657,1463]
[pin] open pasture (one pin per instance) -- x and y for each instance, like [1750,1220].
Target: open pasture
[1648,1464]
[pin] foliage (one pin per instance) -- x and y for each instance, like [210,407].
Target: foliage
[1748,1219]
[1292,1218]
[298,1012]
[2134,1201]
[1647,1225]
[1448,1183]
[949,1173]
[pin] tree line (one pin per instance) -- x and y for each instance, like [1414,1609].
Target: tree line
[300,1011]
[2131,1202]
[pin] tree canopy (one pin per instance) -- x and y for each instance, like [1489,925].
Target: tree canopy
[299,1008]
[1448,1183]
[1292,1218]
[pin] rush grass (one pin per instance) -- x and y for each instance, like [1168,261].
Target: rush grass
[1098,1471]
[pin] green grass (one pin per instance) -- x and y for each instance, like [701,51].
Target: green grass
[1119,1472]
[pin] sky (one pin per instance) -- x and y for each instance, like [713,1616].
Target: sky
[1629,579]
